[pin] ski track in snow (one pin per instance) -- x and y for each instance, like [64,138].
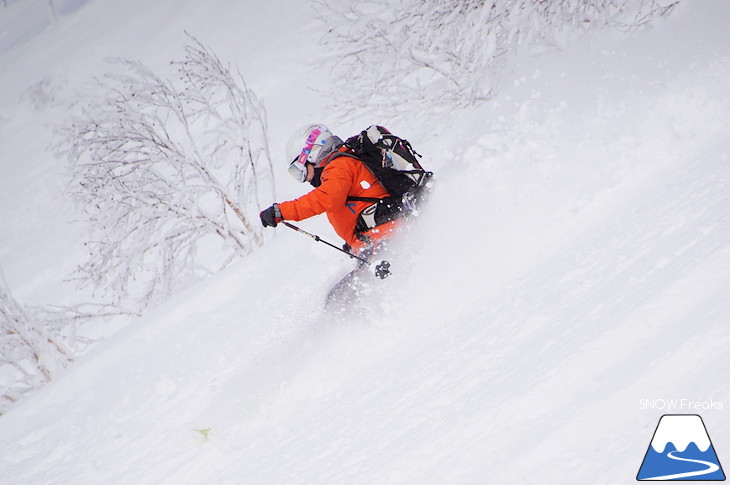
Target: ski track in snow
[574,258]
[711,468]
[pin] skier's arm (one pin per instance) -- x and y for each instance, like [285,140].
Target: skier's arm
[332,193]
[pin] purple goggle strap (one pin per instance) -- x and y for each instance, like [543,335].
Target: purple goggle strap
[308,146]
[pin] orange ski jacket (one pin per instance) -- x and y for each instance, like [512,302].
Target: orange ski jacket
[341,178]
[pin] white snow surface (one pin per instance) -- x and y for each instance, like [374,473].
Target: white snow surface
[574,259]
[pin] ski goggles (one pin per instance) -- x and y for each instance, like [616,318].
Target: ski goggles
[298,166]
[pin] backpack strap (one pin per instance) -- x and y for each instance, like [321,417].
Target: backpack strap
[384,209]
[339,154]
[381,209]
[352,198]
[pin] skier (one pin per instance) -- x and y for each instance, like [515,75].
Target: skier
[344,189]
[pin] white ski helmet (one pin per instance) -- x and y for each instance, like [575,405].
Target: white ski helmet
[304,146]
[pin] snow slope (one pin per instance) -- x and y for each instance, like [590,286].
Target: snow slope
[574,259]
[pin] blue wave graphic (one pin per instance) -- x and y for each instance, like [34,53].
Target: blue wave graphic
[681,465]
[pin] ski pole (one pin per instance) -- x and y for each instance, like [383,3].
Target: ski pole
[382,270]
[319,239]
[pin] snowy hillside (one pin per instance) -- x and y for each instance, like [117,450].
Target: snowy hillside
[573,262]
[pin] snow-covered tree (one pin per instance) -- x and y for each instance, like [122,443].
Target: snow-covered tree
[443,53]
[37,341]
[169,173]
[28,346]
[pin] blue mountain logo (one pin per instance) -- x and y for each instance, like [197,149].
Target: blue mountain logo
[681,450]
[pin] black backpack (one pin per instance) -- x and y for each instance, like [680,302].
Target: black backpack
[394,163]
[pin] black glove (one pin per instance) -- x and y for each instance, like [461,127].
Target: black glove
[271,216]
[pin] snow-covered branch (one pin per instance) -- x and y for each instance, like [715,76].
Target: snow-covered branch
[31,344]
[36,342]
[169,173]
[438,54]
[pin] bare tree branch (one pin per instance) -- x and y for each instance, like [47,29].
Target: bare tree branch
[164,168]
[437,54]
[37,342]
